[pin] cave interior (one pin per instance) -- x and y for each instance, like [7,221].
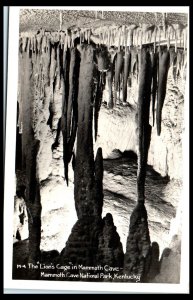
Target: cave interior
[73,64]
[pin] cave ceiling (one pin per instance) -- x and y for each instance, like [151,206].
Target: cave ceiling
[34,19]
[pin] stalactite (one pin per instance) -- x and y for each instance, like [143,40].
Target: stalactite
[53,66]
[103,60]
[18,159]
[121,83]
[118,69]
[46,61]
[179,62]
[58,65]
[72,101]
[111,37]
[65,42]
[84,164]
[24,43]
[103,63]
[119,39]
[173,56]
[110,103]
[184,65]
[20,90]
[98,100]
[89,35]
[65,78]
[44,44]
[164,60]
[69,39]
[62,39]
[71,89]
[39,41]
[108,38]
[154,59]
[144,128]
[134,58]
[30,148]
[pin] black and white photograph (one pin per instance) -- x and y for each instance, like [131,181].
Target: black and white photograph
[96,161]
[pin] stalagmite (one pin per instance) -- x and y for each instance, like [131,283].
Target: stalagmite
[99,180]
[138,249]
[164,61]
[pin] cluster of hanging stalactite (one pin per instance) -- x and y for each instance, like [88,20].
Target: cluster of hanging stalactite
[119,36]
[119,65]
[79,68]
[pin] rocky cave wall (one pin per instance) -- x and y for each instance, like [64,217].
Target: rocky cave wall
[52,129]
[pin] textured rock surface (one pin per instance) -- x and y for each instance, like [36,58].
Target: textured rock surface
[50,19]
[110,251]
[170,263]
[162,197]
[92,242]
[137,256]
[121,128]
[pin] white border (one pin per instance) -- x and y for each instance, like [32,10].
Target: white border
[66,287]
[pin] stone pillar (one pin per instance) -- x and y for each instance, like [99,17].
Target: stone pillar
[84,181]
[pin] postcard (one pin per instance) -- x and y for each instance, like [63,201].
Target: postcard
[96,153]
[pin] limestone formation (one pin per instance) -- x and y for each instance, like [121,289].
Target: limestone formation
[137,256]
[73,87]
[164,60]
